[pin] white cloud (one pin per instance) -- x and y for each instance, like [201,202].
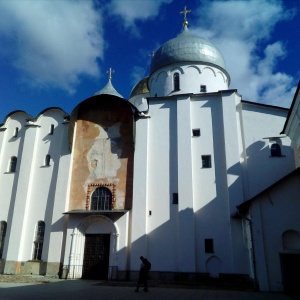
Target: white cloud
[242,30]
[52,42]
[132,10]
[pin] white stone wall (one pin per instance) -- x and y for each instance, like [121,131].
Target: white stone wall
[162,229]
[260,124]
[292,128]
[168,160]
[35,194]
[270,225]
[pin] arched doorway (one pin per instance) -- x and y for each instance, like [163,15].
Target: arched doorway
[96,256]
[93,248]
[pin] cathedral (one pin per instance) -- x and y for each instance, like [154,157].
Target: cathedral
[184,172]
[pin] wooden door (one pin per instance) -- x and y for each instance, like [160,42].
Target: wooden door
[96,256]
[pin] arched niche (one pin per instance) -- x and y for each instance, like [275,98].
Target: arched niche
[213,266]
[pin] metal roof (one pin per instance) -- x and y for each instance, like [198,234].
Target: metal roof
[187,47]
[109,90]
[140,88]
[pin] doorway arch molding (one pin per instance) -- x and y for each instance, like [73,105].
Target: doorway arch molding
[78,241]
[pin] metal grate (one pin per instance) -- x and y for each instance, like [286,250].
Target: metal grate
[101,199]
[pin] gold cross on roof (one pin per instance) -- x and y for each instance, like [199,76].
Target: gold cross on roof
[110,71]
[152,54]
[185,12]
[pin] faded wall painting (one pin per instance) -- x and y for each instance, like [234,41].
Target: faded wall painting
[102,153]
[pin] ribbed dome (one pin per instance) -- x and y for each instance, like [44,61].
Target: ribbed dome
[187,47]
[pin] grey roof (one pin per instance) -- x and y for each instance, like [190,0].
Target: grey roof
[109,90]
[187,47]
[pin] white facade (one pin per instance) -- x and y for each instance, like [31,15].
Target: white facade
[34,191]
[197,152]
[233,133]
[292,125]
[272,219]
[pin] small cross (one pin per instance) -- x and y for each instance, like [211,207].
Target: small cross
[185,12]
[110,71]
[152,54]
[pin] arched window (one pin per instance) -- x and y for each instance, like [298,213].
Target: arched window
[275,150]
[13,164]
[16,132]
[176,81]
[3,226]
[101,199]
[47,160]
[38,241]
[51,129]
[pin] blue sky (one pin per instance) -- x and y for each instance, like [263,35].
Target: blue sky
[57,52]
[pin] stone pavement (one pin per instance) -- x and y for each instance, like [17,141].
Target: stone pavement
[42,288]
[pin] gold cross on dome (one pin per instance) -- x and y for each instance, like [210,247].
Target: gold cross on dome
[152,54]
[185,12]
[110,71]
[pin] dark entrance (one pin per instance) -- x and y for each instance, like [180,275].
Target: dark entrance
[290,266]
[96,256]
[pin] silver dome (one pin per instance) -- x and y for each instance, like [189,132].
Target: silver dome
[187,47]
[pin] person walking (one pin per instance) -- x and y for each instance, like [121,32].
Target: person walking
[143,274]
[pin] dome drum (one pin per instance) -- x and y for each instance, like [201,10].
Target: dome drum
[191,78]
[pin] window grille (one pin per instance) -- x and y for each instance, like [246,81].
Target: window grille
[38,241]
[101,199]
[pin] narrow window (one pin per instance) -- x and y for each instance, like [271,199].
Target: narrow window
[275,150]
[12,164]
[47,160]
[175,198]
[16,132]
[51,129]
[203,88]
[101,199]
[38,241]
[176,81]
[206,161]
[209,245]
[2,236]
[196,132]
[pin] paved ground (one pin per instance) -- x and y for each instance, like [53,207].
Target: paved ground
[50,289]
